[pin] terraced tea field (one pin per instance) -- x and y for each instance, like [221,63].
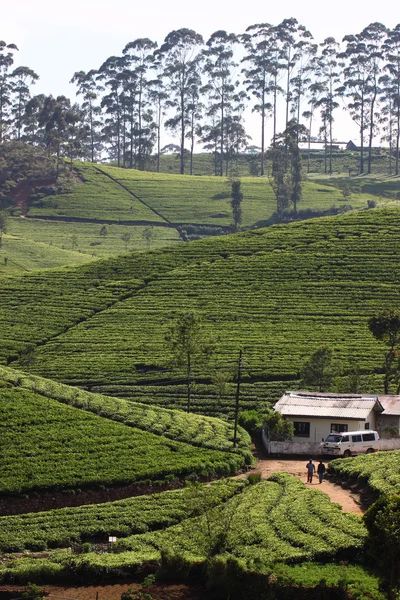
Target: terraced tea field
[60,528]
[276,293]
[46,445]
[380,470]
[264,524]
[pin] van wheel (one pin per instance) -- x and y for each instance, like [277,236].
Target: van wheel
[370,450]
[347,453]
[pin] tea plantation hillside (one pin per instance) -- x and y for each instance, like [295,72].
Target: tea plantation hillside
[102,211]
[126,196]
[47,445]
[261,525]
[276,293]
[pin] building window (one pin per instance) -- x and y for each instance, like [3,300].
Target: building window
[301,429]
[366,426]
[339,427]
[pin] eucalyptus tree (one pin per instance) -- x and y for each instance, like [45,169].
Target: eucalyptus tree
[89,90]
[182,58]
[287,175]
[159,99]
[22,78]
[364,62]
[259,72]
[59,120]
[6,62]
[140,57]
[374,36]
[295,52]
[221,87]
[314,92]
[387,118]
[328,71]
[209,135]
[392,84]
[110,74]
[195,113]
[33,131]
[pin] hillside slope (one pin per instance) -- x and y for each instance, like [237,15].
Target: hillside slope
[276,293]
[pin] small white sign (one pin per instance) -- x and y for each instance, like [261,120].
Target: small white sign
[111,538]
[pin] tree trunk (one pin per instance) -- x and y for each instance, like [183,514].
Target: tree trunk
[221,165]
[396,171]
[362,135]
[182,133]
[275,94]
[159,138]
[263,128]
[371,132]
[189,383]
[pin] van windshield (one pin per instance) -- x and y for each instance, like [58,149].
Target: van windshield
[336,438]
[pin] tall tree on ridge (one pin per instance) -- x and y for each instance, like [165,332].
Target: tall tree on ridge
[182,59]
[259,73]
[140,57]
[364,58]
[328,71]
[6,62]
[221,86]
[89,89]
[159,98]
[392,58]
[22,77]
[110,74]
[294,42]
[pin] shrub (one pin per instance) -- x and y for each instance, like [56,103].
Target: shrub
[254,478]
[251,421]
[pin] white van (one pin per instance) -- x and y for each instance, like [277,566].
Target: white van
[350,443]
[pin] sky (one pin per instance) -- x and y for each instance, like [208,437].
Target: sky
[58,39]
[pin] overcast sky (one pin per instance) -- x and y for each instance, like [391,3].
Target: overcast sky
[57,39]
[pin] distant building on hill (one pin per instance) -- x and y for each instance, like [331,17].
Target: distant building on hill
[351,146]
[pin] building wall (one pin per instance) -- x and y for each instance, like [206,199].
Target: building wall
[320,428]
[388,425]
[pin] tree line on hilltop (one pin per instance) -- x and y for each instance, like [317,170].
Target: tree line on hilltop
[199,92]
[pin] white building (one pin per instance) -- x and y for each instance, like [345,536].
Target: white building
[316,414]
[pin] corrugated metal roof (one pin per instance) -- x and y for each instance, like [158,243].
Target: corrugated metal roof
[391,404]
[340,406]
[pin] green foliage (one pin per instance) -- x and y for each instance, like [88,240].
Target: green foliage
[381,470]
[280,293]
[188,346]
[47,445]
[251,421]
[22,164]
[279,429]
[236,203]
[197,430]
[265,524]
[383,523]
[385,327]
[33,592]
[61,527]
[320,370]
[254,478]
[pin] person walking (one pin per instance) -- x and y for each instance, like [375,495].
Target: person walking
[310,470]
[321,471]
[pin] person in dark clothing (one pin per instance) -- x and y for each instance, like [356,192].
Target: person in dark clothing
[321,471]
[310,470]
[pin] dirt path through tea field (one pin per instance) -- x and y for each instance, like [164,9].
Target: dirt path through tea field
[346,498]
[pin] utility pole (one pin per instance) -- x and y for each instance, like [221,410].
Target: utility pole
[239,373]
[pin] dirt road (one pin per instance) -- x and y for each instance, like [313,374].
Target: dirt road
[348,500]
